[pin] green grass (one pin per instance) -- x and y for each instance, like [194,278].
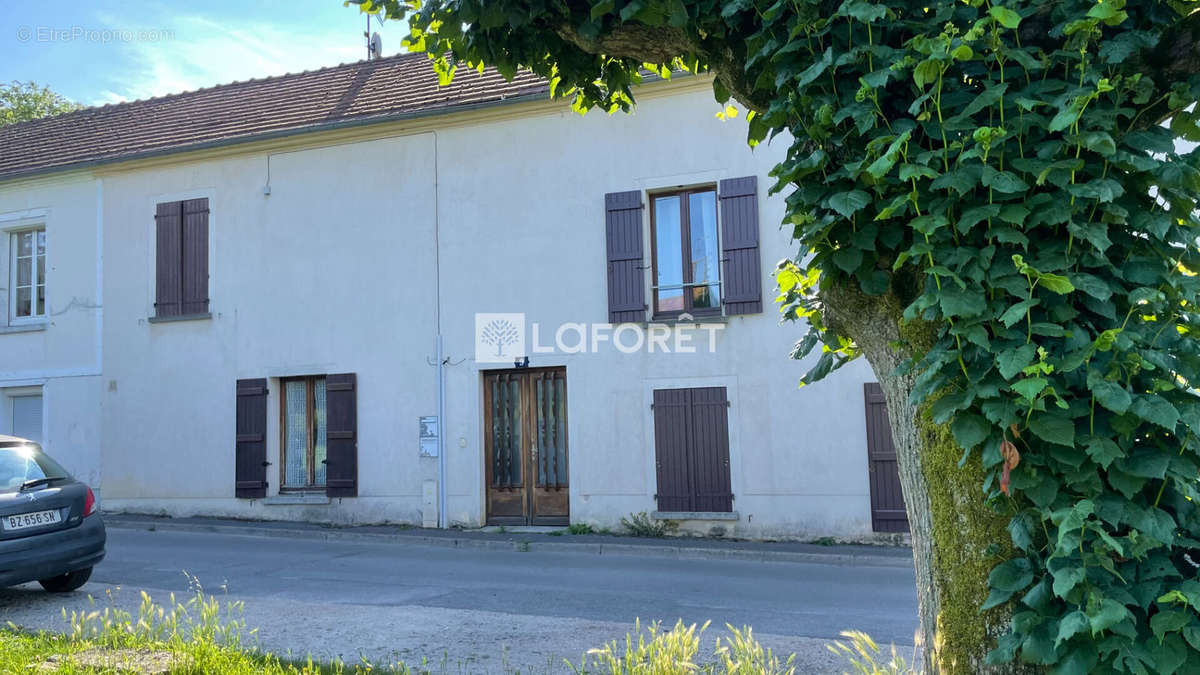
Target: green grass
[202,635]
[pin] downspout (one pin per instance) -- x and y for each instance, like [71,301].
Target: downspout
[443,520]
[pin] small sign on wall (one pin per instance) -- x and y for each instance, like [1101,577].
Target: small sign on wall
[429,436]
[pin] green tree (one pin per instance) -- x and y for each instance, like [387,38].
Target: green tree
[24,101]
[992,211]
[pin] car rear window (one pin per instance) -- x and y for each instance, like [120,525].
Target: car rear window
[21,463]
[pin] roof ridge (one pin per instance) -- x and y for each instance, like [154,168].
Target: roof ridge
[166,97]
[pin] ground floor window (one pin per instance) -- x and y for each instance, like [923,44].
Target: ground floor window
[691,450]
[303,422]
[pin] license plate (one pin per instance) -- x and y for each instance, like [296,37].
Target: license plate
[22,521]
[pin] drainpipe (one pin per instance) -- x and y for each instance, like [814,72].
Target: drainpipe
[443,520]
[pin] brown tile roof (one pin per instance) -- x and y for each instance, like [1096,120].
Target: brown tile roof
[352,93]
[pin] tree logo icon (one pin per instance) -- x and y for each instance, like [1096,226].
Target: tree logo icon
[499,338]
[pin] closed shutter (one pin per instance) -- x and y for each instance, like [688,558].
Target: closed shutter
[168,259]
[251,447]
[742,275]
[888,512]
[672,424]
[626,279]
[195,256]
[691,446]
[341,435]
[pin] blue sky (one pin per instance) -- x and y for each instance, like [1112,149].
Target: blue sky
[106,51]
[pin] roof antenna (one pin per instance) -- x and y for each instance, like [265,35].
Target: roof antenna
[374,42]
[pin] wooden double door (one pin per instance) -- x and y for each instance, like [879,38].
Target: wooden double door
[525,446]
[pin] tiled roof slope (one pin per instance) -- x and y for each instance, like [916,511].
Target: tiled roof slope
[349,93]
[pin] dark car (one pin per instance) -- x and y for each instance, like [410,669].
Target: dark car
[50,526]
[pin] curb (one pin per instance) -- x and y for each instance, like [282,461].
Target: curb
[681,552]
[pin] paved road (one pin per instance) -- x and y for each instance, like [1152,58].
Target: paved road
[482,611]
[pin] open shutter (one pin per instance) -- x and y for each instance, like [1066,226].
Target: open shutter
[195,256]
[626,279]
[168,260]
[672,436]
[251,447]
[741,282]
[341,435]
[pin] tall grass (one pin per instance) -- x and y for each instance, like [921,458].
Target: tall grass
[653,651]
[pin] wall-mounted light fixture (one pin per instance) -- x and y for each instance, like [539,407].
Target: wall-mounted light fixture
[522,362]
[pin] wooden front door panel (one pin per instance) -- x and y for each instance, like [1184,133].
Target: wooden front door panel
[525,447]
[887,498]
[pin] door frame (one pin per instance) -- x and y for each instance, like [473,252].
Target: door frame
[528,468]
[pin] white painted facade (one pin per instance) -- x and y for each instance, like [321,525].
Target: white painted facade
[339,269]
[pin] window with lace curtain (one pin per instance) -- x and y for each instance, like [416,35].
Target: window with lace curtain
[303,423]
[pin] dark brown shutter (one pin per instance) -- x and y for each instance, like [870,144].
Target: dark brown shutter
[710,450]
[691,446]
[626,279]
[251,447]
[341,435]
[195,256]
[168,299]
[887,497]
[741,282]
[672,413]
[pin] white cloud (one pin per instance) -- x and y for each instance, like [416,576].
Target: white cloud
[203,53]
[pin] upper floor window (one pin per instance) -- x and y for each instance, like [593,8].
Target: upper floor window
[181,259]
[28,274]
[687,276]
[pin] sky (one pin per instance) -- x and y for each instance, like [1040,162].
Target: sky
[108,51]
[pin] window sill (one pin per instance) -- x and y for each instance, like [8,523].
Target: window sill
[695,515]
[32,327]
[182,317]
[298,498]
[676,321]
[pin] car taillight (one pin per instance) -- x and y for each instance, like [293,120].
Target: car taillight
[89,503]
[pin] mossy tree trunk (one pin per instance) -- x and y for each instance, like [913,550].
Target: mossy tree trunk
[952,525]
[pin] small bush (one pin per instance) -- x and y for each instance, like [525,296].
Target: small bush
[656,652]
[863,655]
[642,525]
[580,528]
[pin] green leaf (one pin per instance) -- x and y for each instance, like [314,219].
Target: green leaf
[926,72]
[1146,463]
[1053,428]
[1092,285]
[910,171]
[1156,409]
[848,258]
[957,301]
[849,203]
[1071,625]
[1169,621]
[1106,614]
[1030,387]
[1017,313]
[1011,575]
[1103,451]
[1055,283]
[1004,181]
[1112,395]
[1012,361]
[1005,17]
[1066,579]
[970,430]
[601,8]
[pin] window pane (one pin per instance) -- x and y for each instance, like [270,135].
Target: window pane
[41,269]
[24,302]
[25,244]
[319,413]
[41,242]
[296,433]
[706,254]
[41,301]
[24,271]
[668,246]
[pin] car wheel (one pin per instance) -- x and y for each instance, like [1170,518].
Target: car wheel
[67,582]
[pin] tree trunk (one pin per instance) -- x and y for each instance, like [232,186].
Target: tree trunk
[952,525]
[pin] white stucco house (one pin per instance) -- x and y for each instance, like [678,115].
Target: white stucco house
[351,295]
